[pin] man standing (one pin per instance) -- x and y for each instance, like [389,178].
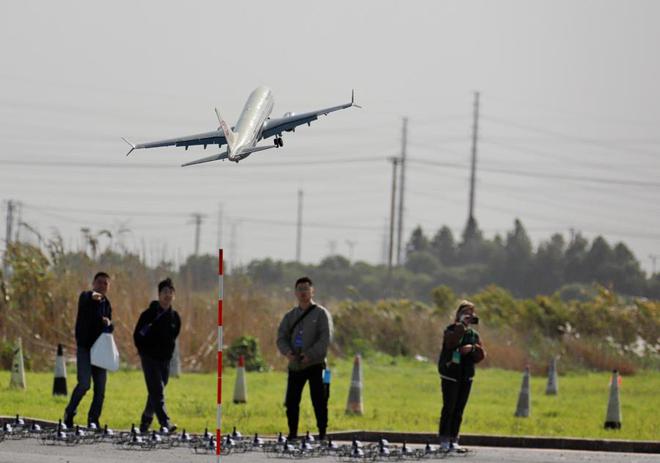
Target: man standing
[155,335]
[303,337]
[94,318]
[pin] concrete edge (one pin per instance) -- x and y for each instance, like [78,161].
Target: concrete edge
[478,440]
[532,442]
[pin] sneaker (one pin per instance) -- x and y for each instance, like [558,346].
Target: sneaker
[457,448]
[68,420]
[171,427]
[445,446]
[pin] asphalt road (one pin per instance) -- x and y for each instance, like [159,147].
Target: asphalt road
[32,451]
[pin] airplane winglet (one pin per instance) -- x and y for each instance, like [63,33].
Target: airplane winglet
[353,100]
[131,144]
[217,114]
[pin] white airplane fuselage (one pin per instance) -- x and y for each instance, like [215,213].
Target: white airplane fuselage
[247,131]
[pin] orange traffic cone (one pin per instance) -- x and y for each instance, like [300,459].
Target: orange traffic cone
[175,361]
[524,398]
[59,383]
[17,379]
[553,387]
[354,404]
[613,417]
[240,388]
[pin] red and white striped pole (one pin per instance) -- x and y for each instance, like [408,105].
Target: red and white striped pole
[218,438]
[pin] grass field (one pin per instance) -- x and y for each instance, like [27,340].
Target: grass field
[401,395]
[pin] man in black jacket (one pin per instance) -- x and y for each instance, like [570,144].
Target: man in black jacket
[94,317]
[155,334]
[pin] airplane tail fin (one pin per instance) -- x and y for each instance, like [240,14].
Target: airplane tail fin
[213,157]
[229,134]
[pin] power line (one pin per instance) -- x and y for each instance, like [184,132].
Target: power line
[586,141]
[89,164]
[524,173]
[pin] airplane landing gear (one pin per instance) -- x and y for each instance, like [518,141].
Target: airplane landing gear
[278,142]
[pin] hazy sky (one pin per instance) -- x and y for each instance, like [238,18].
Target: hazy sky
[569,133]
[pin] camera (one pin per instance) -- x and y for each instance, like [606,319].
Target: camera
[474,320]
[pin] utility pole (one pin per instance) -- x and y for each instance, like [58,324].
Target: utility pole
[473,172]
[233,246]
[18,212]
[402,189]
[653,258]
[219,243]
[384,242]
[10,223]
[299,226]
[351,245]
[395,163]
[197,220]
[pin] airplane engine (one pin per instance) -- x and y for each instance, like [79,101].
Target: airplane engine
[289,114]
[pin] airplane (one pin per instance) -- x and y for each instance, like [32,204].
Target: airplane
[254,124]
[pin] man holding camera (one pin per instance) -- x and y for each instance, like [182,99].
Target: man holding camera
[461,350]
[303,337]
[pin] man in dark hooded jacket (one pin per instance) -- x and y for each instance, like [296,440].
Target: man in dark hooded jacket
[155,335]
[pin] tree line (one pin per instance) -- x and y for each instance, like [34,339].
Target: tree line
[559,264]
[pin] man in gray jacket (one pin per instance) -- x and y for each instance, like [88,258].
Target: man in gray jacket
[303,337]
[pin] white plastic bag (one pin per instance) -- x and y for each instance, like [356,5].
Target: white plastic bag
[104,353]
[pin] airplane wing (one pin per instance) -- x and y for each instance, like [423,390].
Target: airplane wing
[274,127]
[215,137]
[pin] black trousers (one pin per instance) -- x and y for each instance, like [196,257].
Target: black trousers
[454,398]
[156,375]
[295,384]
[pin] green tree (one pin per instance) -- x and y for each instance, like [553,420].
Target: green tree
[418,242]
[575,256]
[443,246]
[470,250]
[518,250]
[548,265]
[598,262]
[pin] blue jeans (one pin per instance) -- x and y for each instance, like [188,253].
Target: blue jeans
[86,374]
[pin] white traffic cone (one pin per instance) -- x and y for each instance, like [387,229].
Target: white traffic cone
[59,383]
[17,379]
[524,399]
[553,386]
[613,417]
[175,362]
[240,388]
[354,404]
